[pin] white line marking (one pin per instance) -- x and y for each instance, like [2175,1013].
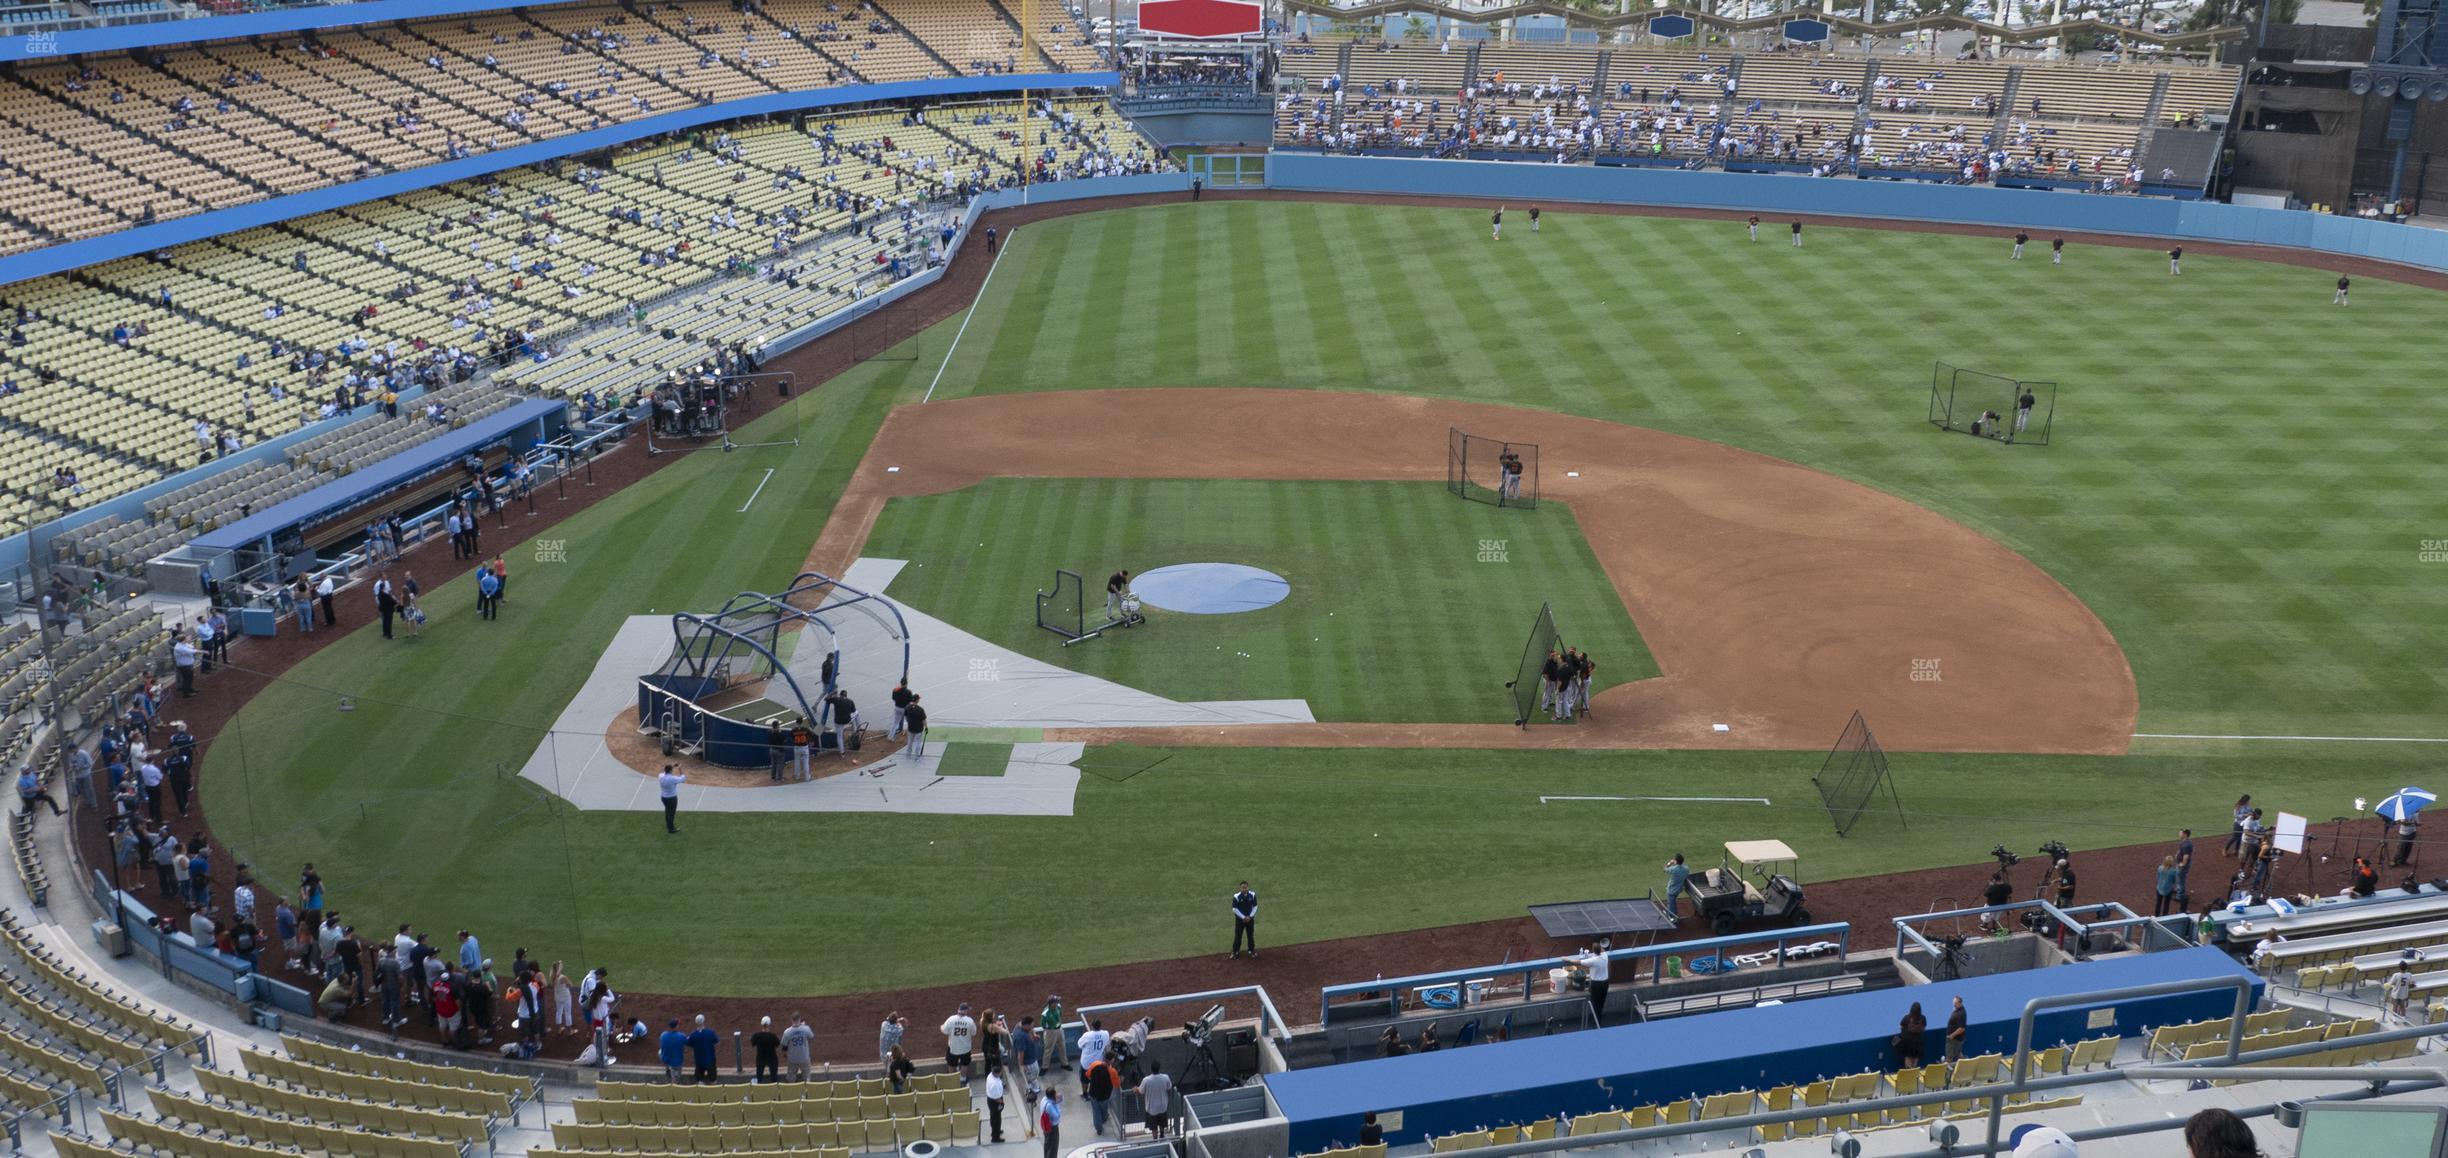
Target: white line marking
[1669,799]
[2319,739]
[991,267]
[760,489]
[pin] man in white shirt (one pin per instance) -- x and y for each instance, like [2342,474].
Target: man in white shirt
[960,1038]
[1594,959]
[183,657]
[994,1106]
[1093,1044]
[323,596]
[2399,988]
[669,782]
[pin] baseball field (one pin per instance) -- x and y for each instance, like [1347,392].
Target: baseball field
[2226,539]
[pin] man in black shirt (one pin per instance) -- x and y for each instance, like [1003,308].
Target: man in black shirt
[1116,585]
[2020,238]
[2065,883]
[900,705]
[1371,1133]
[1551,686]
[1245,919]
[2057,252]
[777,750]
[914,719]
[2175,261]
[844,712]
[2343,282]
[768,1052]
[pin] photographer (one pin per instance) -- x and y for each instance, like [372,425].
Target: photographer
[2065,883]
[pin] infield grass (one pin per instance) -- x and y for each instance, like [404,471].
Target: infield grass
[1407,604]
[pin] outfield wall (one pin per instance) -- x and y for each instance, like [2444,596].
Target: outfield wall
[2006,209]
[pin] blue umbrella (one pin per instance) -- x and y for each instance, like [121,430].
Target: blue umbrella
[2405,802]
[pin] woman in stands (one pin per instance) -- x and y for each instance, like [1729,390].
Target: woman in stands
[2218,1133]
[1908,1038]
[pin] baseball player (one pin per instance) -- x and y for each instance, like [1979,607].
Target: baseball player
[1534,218]
[1551,685]
[2057,252]
[2340,299]
[1116,586]
[1496,224]
[1583,668]
[1754,224]
[2023,409]
[2020,238]
[2176,261]
[1797,235]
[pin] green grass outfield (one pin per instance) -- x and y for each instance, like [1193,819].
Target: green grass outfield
[1399,610]
[2241,484]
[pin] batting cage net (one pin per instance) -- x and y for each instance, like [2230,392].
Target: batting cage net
[1064,610]
[1851,775]
[878,334]
[1529,685]
[2010,410]
[1489,470]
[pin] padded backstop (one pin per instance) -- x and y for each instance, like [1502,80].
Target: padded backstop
[1490,470]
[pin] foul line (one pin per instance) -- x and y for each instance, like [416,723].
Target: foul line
[752,495]
[971,312]
[2311,739]
[1669,799]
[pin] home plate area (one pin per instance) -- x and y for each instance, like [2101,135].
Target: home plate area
[969,684]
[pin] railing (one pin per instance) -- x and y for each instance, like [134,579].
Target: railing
[1268,1020]
[1529,971]
[2244,1067]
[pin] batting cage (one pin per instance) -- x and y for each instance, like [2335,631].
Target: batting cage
[1489,470]
[767,659]
[1850,777]
[2010,410]
[1529,688]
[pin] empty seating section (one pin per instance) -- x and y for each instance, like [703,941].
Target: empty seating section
[337,1100]
[2350,947]
[2197,93]
[86,1011]
[516,1087]
[955,30]
[119,367]
[100,142]
[834,1117]
[274,1124]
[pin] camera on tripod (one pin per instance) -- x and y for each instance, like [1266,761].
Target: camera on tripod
[2054,849]
[2005,859]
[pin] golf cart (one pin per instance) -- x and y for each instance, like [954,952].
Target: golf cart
[1754,882]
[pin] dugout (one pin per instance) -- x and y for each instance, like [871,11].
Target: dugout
[764,659]
[1450,1091]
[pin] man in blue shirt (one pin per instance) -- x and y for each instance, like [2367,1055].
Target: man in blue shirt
[30,790]
[1678,882]
[702,1043]
[471,956]
[673,1050]
[1245,919]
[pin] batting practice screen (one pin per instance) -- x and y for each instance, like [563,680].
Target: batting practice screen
[1529,684]
[1489,470]
[1064,610]
[1850,776]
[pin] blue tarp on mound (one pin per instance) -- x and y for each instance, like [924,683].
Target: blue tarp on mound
[350,489]
[1454,1090]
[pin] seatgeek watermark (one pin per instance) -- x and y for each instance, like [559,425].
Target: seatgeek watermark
[1495,551]
[1925,671]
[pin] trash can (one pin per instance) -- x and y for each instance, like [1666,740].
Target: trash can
[112,938]
[1673,967]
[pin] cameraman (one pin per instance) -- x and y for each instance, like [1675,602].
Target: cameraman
[2065,883]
